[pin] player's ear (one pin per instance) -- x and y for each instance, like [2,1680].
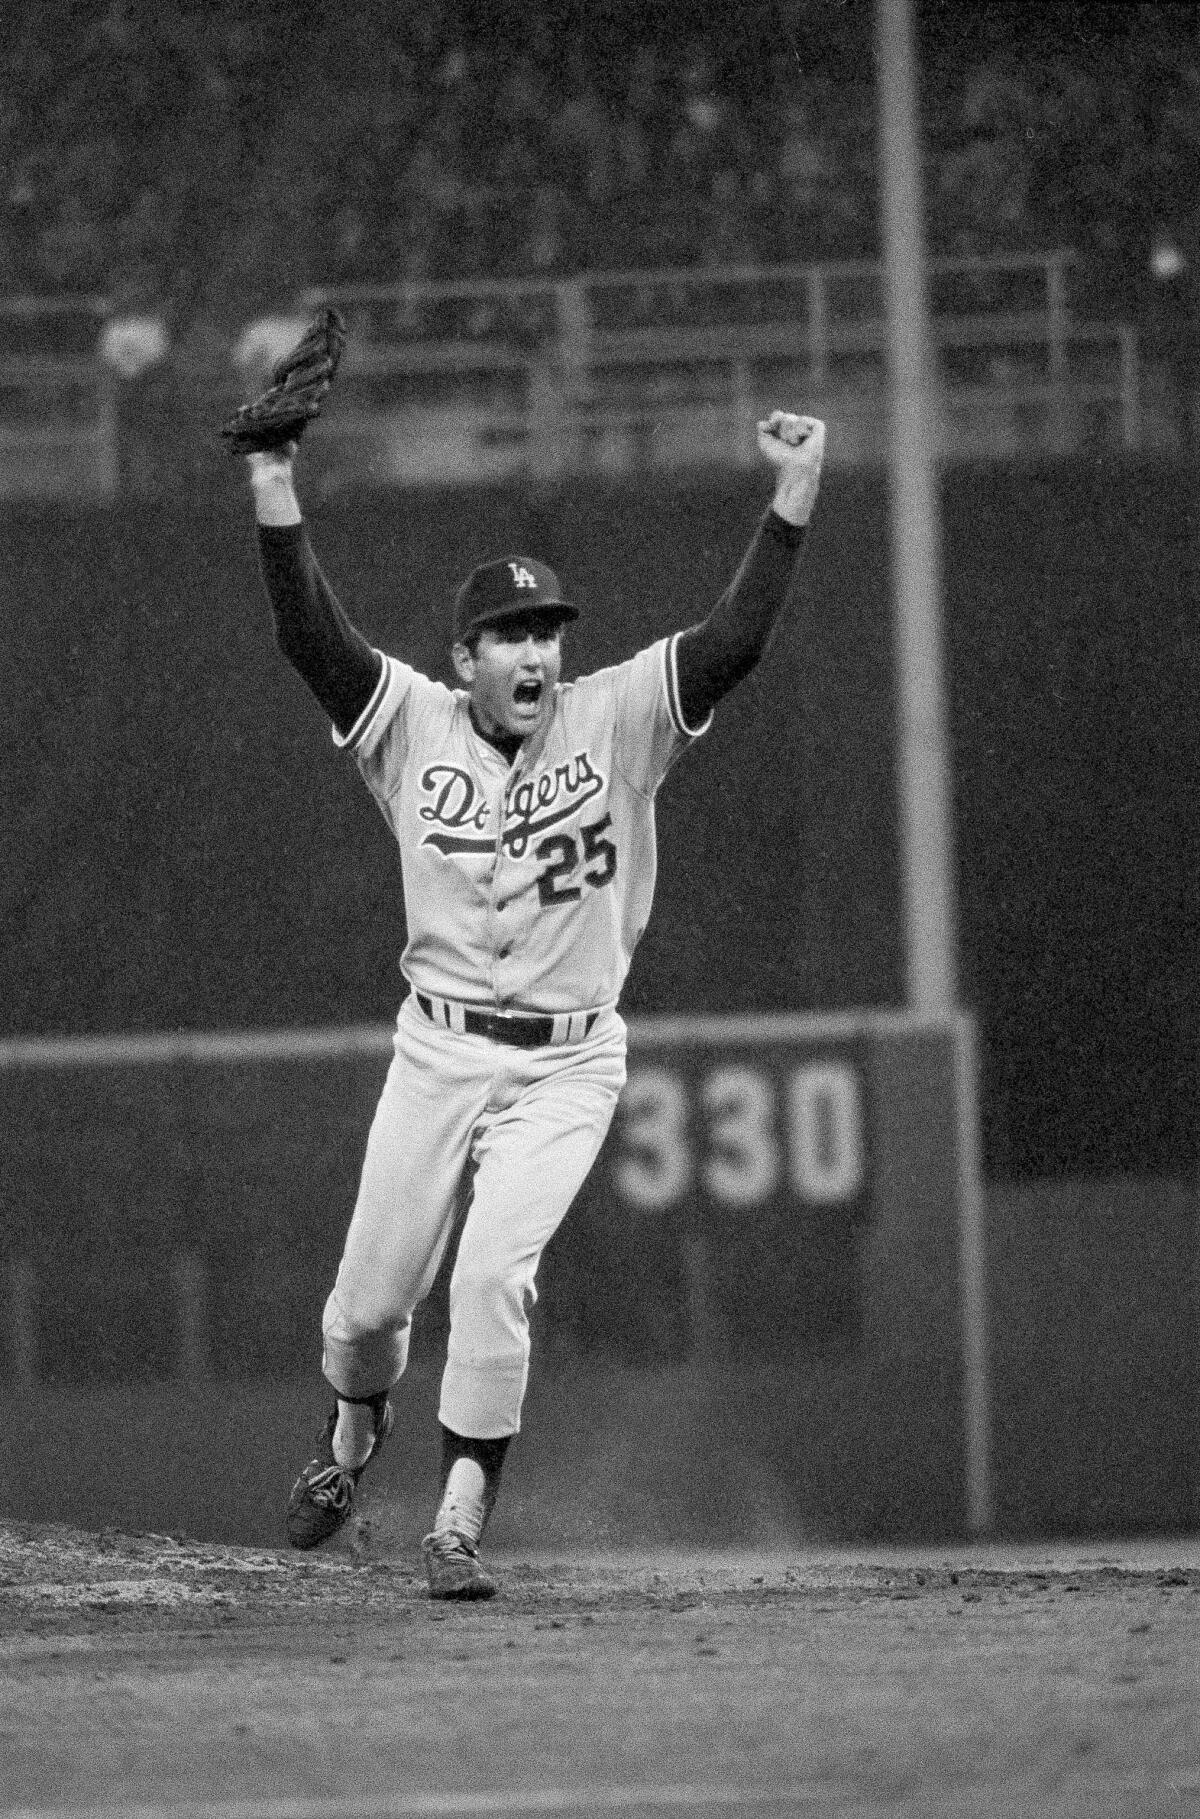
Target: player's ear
[463,659]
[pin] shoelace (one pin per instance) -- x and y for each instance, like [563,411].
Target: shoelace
[448,1544]
[330,1488]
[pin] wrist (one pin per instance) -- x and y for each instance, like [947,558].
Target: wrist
[795,497]
[274,490]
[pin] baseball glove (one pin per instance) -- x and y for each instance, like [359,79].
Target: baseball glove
[299,382]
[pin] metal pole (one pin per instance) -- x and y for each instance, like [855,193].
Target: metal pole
[924,770]
[924,789]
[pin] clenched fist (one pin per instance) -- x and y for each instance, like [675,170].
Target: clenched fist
[795,447]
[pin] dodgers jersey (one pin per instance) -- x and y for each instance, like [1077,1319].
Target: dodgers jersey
[527,887]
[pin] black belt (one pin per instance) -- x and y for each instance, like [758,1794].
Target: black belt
[502,1026]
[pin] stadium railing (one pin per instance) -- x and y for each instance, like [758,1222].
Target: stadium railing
[58,399]
[616,372]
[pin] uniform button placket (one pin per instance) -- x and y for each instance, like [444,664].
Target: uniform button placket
[499,903]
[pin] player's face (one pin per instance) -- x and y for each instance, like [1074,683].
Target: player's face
[511,674]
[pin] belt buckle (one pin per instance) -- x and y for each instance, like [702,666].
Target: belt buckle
[503,1026]
[524,1029]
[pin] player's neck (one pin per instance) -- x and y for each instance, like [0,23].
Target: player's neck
[507,744]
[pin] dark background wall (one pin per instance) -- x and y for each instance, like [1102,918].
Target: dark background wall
[182,847]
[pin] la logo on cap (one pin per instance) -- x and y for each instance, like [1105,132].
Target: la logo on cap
[505,588]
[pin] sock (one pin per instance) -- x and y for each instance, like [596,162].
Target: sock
[354,1435]
[462,1505]
[470,1480]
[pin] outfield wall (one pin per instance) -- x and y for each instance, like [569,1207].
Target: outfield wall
[782,1304]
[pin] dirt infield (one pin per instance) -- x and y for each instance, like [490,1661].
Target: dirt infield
[145,1674]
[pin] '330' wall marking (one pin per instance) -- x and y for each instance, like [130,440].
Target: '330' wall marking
[739,1134]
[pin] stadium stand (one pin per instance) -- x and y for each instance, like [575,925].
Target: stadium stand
[201,174]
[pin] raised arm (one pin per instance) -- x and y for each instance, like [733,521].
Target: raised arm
[714,655]
[312,630]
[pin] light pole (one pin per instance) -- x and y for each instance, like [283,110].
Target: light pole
[924,774]
[924,770]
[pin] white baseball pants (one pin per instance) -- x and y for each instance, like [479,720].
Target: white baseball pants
[517,1130]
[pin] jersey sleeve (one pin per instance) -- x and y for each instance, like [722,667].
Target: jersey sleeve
[650,728]
[383,733]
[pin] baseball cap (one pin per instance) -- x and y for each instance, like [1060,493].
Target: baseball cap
[508,588]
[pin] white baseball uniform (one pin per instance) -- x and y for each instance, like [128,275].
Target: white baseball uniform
[526,891]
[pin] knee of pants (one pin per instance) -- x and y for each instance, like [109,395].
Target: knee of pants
[345,1327]
[483,1297]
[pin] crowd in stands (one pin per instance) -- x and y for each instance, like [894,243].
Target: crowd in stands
[207,159]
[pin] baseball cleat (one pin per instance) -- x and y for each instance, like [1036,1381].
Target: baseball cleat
[323,1495]
[453,1567]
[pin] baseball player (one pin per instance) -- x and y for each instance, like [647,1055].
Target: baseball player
[524,808]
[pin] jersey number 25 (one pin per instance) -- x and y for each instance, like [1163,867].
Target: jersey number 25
[562,850]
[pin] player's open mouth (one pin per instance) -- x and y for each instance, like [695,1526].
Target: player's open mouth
[527,694]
